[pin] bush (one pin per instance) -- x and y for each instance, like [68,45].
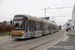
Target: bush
[8,28]
[1,28]
[4,26]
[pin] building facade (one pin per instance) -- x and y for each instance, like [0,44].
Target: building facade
[68,25]
[73,18]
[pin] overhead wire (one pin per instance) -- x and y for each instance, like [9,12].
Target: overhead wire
[71,1]
[59,8]
[65,3]
[34,4]
[62,7]
[50,8]
[55,6]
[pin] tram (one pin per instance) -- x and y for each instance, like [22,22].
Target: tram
[26,26]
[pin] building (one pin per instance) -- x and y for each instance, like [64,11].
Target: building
[5,23]
[65,26]
[68,25]
[73,18]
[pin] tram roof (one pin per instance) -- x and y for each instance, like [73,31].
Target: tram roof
[34,17]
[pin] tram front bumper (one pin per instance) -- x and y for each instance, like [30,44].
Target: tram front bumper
[22,36]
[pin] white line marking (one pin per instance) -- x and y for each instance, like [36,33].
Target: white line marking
[55,43]
[66,38]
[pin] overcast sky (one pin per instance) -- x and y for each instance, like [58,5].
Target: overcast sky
[9,8]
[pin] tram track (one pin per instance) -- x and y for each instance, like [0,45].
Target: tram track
[43,43]
[7,43]
[42,38]
[12,42]
[29,42]
[26,40]
[21,41]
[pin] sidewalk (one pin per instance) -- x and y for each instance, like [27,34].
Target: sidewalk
[5,38]
[68,43]
[64,45]
[71,32]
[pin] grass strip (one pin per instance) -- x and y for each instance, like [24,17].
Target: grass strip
[4,34]
[70,35]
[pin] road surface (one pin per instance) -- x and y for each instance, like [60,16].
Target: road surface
[32,44]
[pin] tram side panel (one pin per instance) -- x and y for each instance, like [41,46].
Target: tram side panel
[37,29]
[51,27]
[54,28]
[30,28]
[47,30]
[43,28]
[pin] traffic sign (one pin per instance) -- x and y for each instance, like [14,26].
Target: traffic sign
[68,24]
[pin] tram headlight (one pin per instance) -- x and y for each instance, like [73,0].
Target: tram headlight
[23,32]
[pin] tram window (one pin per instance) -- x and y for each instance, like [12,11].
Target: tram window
[37,26]
[40,26]
[44,26]
[51,27]
[29,25]
[34,25]
[48,27]
[54,27]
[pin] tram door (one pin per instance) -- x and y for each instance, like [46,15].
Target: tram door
[32,28]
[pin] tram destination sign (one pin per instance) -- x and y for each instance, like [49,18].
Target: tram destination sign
[17,17]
